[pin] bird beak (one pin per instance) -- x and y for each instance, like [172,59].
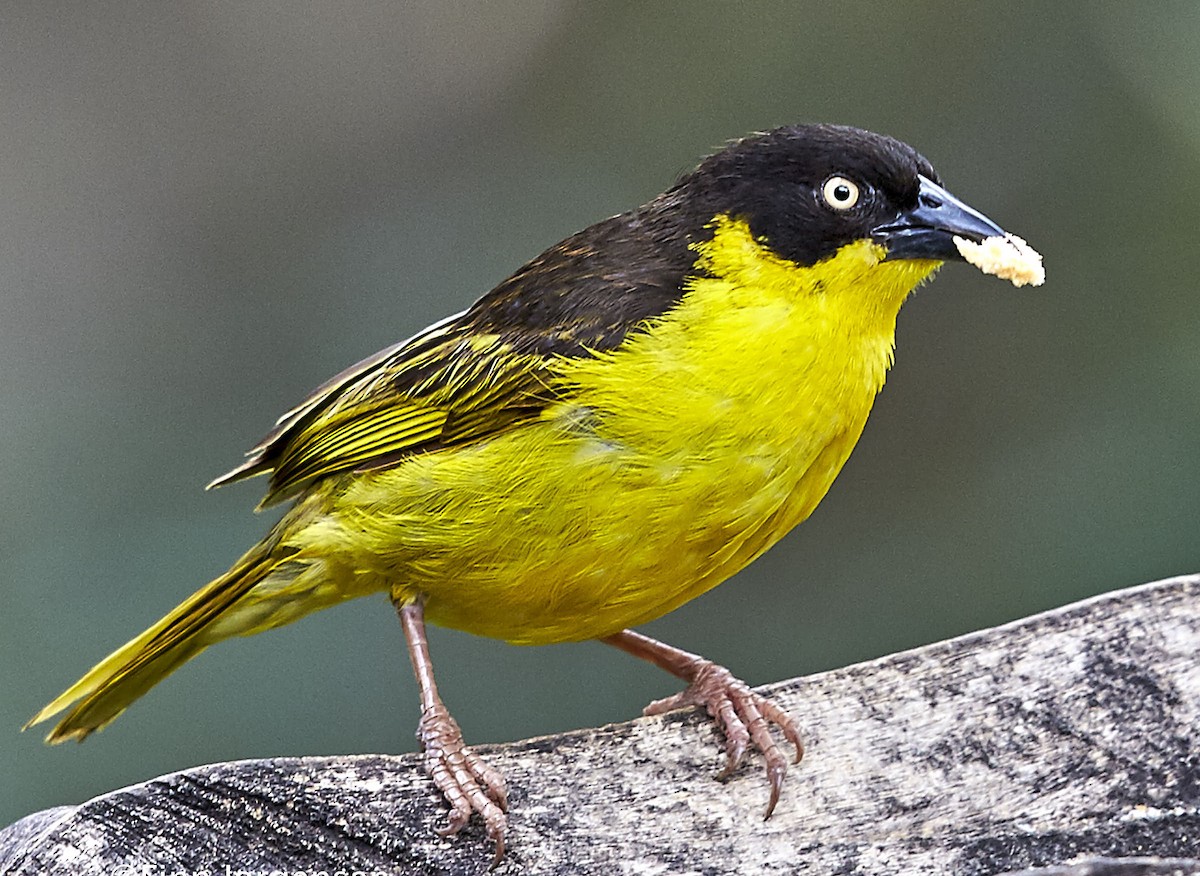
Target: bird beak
[928,230]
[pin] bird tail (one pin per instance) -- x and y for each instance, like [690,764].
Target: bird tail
[227,606]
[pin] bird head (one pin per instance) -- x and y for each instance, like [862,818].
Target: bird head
[806,191]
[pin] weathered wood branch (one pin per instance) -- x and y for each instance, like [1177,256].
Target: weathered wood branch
[1072,733]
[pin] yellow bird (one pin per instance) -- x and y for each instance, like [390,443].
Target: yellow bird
[621,425]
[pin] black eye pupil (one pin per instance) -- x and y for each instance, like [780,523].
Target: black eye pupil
[842,192]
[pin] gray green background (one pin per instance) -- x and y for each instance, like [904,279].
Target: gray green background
[208,208]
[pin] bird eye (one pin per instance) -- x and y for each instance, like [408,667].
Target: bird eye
[840,193]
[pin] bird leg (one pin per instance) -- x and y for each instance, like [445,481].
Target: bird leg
[468,784]
[743,716]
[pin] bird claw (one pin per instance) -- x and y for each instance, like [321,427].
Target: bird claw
[466,782]
[744,718]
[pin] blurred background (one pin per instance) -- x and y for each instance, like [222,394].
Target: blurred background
[208,208]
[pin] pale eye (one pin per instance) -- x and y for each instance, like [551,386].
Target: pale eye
[840,193]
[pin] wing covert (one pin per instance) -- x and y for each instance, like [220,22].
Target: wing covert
[486,369]
[444,387]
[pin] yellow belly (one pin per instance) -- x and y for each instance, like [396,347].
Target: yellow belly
[548,536]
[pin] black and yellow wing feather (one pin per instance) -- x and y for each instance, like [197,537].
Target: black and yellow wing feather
[482,371]
[444,388]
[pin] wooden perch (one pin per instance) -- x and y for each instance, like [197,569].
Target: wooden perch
[1070,734]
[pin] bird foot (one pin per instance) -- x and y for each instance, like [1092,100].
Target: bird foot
[465,780]
[743,716]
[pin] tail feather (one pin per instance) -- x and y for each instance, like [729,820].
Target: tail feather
[115,682]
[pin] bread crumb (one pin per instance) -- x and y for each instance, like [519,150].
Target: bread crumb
[1009,258]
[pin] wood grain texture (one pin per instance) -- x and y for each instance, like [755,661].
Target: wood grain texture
[1068,735]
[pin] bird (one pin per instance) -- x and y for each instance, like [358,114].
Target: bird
[625,422]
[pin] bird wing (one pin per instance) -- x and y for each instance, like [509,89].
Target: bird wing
[447,386]
[484,370]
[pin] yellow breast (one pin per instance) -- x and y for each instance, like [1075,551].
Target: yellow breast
[682,455]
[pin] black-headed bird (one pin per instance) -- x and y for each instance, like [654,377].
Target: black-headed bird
[621,425]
